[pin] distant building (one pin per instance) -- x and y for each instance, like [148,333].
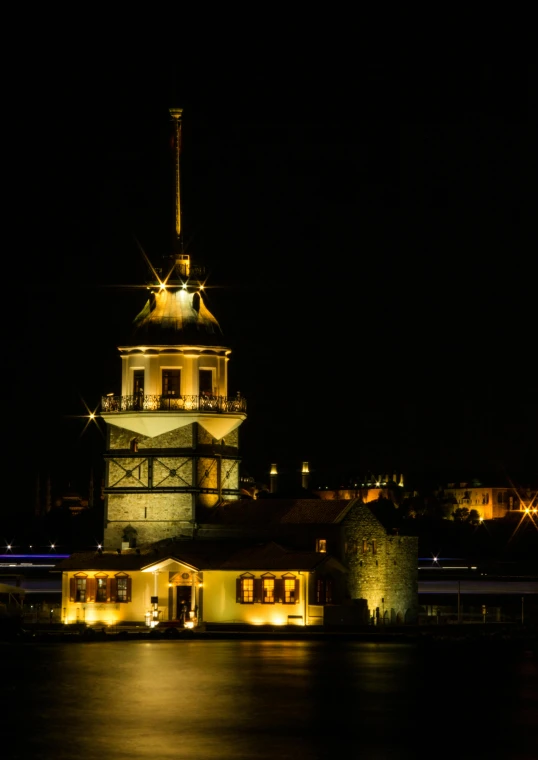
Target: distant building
[491,502]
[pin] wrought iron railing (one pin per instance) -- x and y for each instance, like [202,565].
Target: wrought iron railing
[141,403]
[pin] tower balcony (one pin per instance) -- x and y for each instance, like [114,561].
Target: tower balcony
[172,403]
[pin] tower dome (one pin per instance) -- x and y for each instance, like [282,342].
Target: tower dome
[175,312]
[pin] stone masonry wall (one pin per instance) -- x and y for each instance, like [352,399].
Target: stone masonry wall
[402,577]
[153,517]
[231,439]
[382,568]
[180,438]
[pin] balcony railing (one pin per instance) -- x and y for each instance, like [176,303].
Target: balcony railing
[141,403]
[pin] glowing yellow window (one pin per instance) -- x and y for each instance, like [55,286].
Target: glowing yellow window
[247,590]
[268,590]
[122,590]
[289,591]
[321,545]
[100,594]
[81,590]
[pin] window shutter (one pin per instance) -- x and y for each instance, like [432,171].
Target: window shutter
[238,590]
[112,590]
[72,589]
[129,588]
[297,587]
[258,589]
[279,590]
[91,584]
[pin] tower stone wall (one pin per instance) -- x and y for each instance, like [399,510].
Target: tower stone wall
[147,517]
[382,567]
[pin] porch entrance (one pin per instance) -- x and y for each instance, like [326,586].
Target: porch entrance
[183,602]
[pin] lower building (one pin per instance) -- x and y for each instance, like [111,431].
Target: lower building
[273,561]
[197,582]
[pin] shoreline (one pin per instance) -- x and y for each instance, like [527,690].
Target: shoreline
[508,637]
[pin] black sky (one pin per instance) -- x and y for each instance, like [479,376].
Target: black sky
[369,237]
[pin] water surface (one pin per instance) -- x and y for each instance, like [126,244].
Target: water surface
[227,700]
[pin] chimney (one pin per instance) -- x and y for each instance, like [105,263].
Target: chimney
[305,476]
[273,479]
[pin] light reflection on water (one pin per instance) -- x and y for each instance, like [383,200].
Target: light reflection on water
[247,699]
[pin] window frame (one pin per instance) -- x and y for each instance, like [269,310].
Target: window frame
[166,374]
[101,577]
[268,577]
[82,589]
[244,594]
[290,597]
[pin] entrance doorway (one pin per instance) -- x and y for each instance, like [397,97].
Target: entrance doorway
[183,601]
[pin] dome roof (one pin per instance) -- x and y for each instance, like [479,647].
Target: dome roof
[175,316]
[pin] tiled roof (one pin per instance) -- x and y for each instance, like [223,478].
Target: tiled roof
[225,555]
[105,561]
[200,554]
[261,512]
[272,556]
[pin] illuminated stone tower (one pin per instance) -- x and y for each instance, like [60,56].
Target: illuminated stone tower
[172,435]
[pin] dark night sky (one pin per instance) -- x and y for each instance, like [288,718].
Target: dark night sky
[368,236]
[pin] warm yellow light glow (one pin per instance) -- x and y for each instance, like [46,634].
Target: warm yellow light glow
[305,467]
[163,286]
[189,624]
[184,286]
[273,470]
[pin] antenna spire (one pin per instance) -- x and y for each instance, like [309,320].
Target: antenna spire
[176,114]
